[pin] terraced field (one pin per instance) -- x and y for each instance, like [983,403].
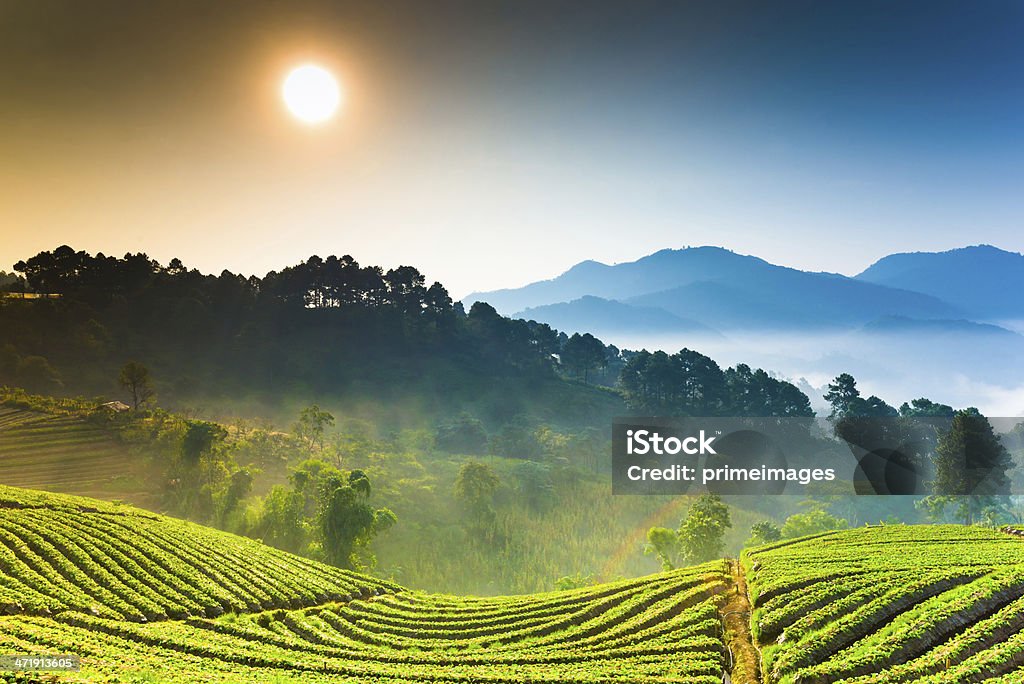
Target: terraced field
[64,453]
[143,598]
[928,604]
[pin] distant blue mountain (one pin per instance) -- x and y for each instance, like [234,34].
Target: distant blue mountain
[984,281]
[783,298]
[722,290]
[659,271]
[603,316]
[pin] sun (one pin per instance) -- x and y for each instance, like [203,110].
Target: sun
[311,93]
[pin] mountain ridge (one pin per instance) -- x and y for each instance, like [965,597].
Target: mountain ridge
[976,278]
[720,289]
[590,314]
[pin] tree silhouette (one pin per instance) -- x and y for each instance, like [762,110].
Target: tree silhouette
[475,486]
[135,378]
[312,423]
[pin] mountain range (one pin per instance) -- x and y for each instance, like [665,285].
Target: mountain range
[711,290]
[940,325]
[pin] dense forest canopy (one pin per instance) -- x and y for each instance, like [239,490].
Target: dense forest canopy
[689,383]
[325,326]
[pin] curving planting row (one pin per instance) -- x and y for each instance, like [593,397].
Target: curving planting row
[63,554]
[140,597]
[921,603]
[685,647]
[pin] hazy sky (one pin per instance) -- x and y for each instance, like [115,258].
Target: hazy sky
[494,144]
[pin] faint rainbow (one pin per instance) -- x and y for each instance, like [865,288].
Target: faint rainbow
[633,541]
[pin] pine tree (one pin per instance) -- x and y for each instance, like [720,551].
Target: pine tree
[971,467]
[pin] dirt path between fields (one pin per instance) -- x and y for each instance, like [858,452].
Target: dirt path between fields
[744,666]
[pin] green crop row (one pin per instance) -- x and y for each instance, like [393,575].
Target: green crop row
[140,597]
[697,655]
[61,553]
[923,626]
[915,603]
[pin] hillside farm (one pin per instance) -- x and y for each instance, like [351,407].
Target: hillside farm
[929,604]
[68,453]
[144,598]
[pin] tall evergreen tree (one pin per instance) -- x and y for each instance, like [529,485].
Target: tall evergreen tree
[971,467]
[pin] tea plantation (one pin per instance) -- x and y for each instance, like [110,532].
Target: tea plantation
[145,598]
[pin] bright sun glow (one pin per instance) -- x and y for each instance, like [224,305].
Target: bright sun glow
[311,93]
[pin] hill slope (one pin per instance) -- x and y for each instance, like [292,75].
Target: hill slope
[601,317]
[890,604]
[142,598]
[982,279]
[63,554]
[139,597]
[68,453]
[897,325]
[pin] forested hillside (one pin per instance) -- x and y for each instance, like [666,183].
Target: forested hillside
[374,344]
[384,428]
[375,341]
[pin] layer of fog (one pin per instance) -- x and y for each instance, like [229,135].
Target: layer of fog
[962,370]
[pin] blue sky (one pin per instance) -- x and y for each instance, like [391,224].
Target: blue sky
[494,144]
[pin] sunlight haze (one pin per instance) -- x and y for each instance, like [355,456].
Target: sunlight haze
[490,148]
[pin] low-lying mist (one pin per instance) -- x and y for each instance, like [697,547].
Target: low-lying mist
[985,370]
